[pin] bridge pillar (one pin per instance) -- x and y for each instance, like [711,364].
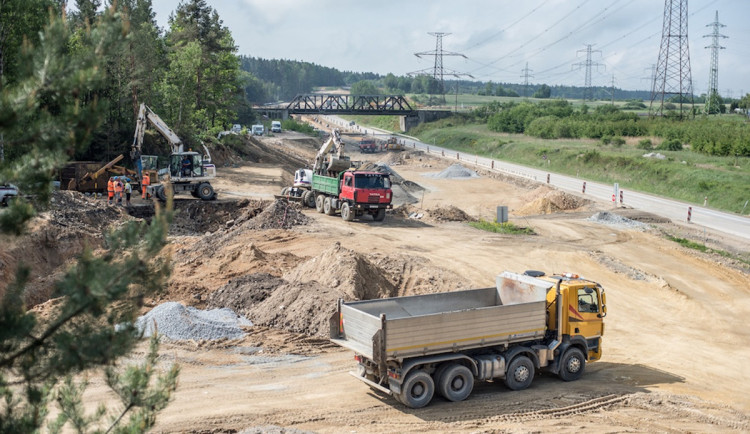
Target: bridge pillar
[408,122]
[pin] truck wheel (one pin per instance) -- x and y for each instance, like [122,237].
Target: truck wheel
[520,373]
[319,203]
[346,212]
[328,207]
[308,198]
[380,216]
[418,389]
[572,365]
[161,194]
[456,382]
[205,191]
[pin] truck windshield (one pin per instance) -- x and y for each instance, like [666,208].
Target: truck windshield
[588,301]
[372,181]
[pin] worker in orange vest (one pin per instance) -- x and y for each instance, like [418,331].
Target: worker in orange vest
[110,191]
[145,182]
[118,191]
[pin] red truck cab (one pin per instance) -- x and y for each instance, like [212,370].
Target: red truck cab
[366,192]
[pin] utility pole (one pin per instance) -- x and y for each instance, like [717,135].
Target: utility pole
[673,77]
[438,71]
[712,96]
[613,89]
[588,93]
[526,74]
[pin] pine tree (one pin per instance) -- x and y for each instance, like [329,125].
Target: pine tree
[46,116]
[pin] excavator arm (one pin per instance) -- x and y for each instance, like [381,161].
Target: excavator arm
[331,163]
[146,115]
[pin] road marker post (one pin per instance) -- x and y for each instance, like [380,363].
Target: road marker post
[584,188]
[690,213]
[548,178]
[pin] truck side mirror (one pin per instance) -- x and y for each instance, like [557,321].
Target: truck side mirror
[604,306]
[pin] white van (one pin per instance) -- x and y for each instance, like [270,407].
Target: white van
[258,130]
[275,127]
[236,128]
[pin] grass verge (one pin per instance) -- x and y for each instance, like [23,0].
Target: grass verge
[501,228]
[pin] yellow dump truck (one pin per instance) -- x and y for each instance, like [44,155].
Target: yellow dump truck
[411,347]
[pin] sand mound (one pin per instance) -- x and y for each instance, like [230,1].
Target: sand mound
[545,200]
[454,171]
[177,322]
[439,214]
[305,298]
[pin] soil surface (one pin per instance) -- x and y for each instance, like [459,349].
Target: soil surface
[674,353]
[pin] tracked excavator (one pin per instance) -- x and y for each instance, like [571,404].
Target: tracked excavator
[187,171]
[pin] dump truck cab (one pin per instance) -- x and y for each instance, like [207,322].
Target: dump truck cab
[582,313]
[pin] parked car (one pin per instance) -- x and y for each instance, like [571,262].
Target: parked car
[258,130]
[7,193]
[275,127]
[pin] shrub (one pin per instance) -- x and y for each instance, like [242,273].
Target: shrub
[645,144]
[618,141]
[671,145]
[606,140]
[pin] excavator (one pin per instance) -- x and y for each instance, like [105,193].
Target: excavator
[329,161]
[187,171]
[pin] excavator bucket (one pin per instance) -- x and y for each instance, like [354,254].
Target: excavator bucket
[338,164]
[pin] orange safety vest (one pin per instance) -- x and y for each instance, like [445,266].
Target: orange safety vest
[146,179]
[110,187]
[118,186]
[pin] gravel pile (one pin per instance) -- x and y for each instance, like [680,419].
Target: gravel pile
[177,322]
[615,220]
[455,171]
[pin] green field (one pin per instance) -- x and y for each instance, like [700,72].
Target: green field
[683,175]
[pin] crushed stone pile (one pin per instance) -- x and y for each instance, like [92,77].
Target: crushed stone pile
[545,200]
[454,171]
[439,214]
[611,219]
[402,196]
[177,322]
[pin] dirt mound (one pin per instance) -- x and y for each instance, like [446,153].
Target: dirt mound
[242,292]
[72,222]
[196,217]
[280,214]
[545,200]
[439,214]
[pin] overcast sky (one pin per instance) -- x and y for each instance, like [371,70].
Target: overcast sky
[497,36]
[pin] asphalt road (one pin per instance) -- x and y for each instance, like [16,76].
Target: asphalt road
[731,224]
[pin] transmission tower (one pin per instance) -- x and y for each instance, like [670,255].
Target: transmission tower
[526,75]
[438,71]
[673,77]
[712,96]
[588,93]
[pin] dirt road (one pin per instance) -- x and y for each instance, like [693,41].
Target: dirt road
[674,345]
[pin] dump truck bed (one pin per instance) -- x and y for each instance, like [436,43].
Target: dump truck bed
[402,327]
[325,184]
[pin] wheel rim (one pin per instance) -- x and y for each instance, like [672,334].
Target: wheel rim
[418,390]
[521,374]
[574,364]
[458,383]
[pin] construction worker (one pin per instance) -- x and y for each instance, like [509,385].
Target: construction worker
[118,191]
[110,191]
[128,191]
[145,182]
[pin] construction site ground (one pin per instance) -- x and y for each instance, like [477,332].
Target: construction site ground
[675,342]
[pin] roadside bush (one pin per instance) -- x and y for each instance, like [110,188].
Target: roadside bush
[670,145]
[645,144]
[293,125]
[618,141]
[606,140]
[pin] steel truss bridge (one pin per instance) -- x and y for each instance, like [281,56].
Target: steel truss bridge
[334,104]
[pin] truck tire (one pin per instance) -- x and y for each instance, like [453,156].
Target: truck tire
[417,390]
[520,373]
[308,199]
[572,364]
[379,216]
[456,382]
[205,191]
[328,207]
[319,203]
[347,213]
[161,194]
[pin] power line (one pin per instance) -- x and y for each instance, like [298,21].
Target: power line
[712,97]
[673,75]
[587,93]
[438,71]
[494,35]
